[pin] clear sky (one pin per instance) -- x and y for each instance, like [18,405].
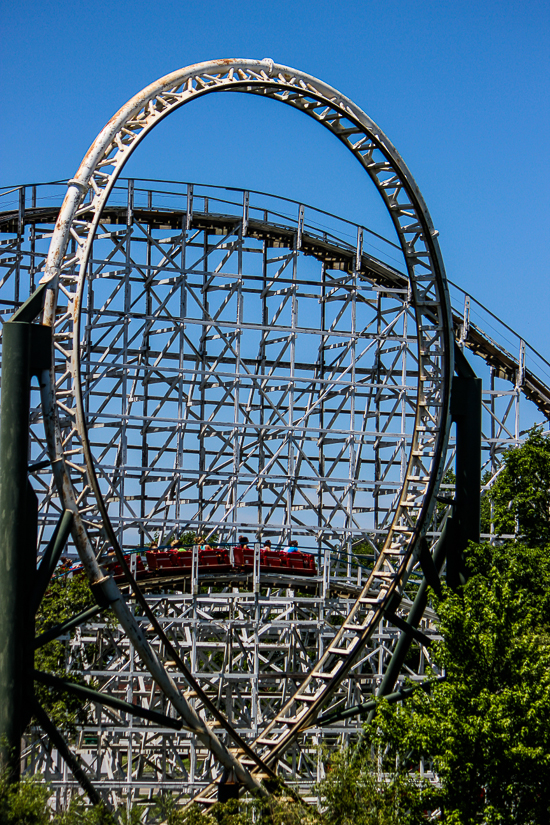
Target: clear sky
[461,88]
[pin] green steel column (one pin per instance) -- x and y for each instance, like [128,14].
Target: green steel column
[26,351]
[466,413]
[16,562]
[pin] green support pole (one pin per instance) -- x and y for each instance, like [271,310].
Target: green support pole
[466,413]
[89,695]
[367,707]
[25,352]
[51,557]
[60,629]
[71,760]
[15,559]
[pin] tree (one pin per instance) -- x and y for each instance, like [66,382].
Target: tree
[66,596]
[487,727]
[356,791]
[521,494]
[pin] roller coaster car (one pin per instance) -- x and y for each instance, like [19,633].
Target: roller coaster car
[166,562]
[158,560]
[182,560]
[298,564]
[115,568]
[218,558]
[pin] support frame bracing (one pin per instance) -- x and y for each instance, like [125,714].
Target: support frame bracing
[329,610]
[77,224]
[115,144]
[283,616]
[139,296]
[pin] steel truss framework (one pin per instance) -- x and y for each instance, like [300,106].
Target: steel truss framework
[228,367]
[249,649]
[65,406]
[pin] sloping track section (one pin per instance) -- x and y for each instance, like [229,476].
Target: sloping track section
[236,363]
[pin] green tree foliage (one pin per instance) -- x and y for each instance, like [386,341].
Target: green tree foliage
[187,539]
[486,504]
[365,548]
[521,495]
[358,790]
[24,803]
[65,597]
[487,728]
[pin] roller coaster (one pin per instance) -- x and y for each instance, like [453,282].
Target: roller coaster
[210,362]
[213,565]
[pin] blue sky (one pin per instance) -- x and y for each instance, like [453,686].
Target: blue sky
[461,88]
